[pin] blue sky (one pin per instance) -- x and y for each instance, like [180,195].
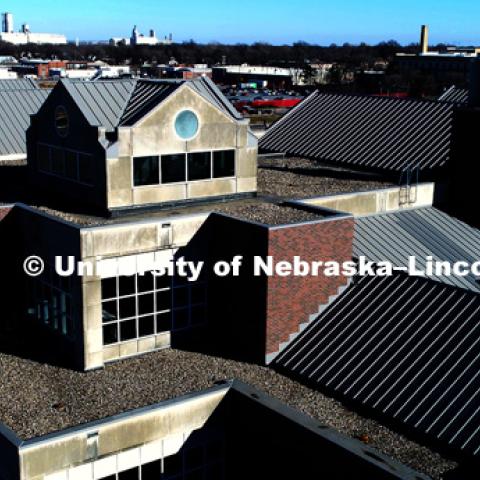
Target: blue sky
[273,21]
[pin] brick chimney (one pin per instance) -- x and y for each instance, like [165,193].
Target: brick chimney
[424,40]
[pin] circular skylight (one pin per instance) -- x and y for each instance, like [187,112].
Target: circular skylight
[186,125]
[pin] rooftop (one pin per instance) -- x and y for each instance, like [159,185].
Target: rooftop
[405,349]
[61,398]
[364,132]
[278,179]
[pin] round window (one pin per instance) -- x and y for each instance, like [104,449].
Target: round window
[186,125]
[62,123]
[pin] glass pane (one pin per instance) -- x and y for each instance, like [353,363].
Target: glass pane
[198,315]
[58,161]
[164,300]
[43,160]
[110,334]
[146,326]
[194,457]
[180,297]
[164,281]
[145,171]
[85,168]
[173,465]
[127,307]
[152,470]
[71,165]
[128,330]
[180,319]
[164,322]
[199,166]
[109,311]
[145,282]
[186,125]
[132,474]
[145,304]
[109,288]
[173,168]
[224,164]
[198,293]
[126,285]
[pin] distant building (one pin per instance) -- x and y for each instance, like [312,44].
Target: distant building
[452,60]
[140,39]
[255,76]
[25,36]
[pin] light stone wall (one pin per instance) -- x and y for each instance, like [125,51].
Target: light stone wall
[155,135]
[377,201]
[118,442]
[158,239]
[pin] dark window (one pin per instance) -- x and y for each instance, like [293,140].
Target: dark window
[132,474]
[152,470]
[127,307]
[145,282]
[145,171]
[180,319]
[62,122]
[71,165]
[199,165]
[173,465]
[164,300]
[224,164]
[109,311]
[126,285]
[110,477]
[128,330]
[180,297]
[43,160]
[173,168]
[164,322]
[109,288]
[85,168]
[110,333]
[146,326]
[145,304]
[58,161]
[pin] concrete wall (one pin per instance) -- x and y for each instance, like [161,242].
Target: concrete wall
[91,448]
[147,241]
[376,201]
[155,135]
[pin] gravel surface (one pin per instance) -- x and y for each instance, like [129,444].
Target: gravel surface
[57,398]
[302,178]
[269,213]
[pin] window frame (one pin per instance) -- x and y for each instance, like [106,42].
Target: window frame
[186,181]
[77,154]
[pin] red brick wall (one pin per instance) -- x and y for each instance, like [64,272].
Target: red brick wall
[291,300]
[3,212]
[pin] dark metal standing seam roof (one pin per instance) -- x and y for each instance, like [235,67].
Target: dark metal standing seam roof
[16,106]
[419,232]
[102,103]
[455,95]
[110,104]
[405,347]
[374,133]
[145,97]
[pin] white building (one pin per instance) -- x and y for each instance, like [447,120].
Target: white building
[25,36]
[140,39]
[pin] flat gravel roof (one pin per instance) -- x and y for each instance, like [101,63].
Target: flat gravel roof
[39,398]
